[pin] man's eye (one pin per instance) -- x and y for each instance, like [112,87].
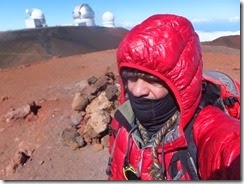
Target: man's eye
[157,84]
[132,79]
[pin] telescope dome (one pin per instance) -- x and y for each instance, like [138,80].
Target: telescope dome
[83,15]
[35,13]
[83,11]
[108,19]
[36,18]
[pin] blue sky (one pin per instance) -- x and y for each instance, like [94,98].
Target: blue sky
[211,18]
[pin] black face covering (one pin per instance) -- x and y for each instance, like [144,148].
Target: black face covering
[152,113]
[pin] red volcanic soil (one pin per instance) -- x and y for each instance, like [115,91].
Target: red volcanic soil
[52,83]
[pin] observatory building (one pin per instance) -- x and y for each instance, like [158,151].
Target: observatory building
[108,19]
[83,15]
[36,18]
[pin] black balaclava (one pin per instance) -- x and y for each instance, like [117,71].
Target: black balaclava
[152,114]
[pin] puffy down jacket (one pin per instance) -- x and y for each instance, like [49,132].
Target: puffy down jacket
[168,47]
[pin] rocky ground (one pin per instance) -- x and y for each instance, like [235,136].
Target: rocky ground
[41,96]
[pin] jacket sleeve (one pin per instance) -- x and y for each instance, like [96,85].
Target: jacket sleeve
[217,138]
[114,127]
[112,136]
[117,151]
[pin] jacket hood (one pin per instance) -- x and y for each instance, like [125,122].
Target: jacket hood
[167,47]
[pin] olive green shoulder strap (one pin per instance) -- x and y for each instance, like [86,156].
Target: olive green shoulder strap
[126,118]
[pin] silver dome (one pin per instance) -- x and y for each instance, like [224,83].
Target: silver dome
[36,18]
[83,11]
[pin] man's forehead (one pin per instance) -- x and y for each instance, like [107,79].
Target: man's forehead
[132,72]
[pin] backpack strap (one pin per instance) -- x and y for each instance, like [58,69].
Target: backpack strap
[188,165]
[191,146]
[188,156]
[230,101]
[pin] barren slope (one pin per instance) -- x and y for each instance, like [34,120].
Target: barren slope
[32,45]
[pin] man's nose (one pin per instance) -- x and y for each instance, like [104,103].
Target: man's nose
[141,88]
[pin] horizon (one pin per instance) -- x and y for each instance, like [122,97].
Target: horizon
[210,18]
[206,35]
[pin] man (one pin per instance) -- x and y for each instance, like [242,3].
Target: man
[160,64]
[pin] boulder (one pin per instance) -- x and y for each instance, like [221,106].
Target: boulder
[19,113]
[99,121]
[80,101]
[98,104]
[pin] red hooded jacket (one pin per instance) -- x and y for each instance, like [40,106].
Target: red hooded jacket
[167,47]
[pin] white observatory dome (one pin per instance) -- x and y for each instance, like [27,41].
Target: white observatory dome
[35,14]
[108,19]
[36,19]
[83,15]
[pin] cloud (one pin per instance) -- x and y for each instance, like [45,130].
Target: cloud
[197,20]
[201,24]
[234,19]
[128,24]
[207,29]
[211,20]
[209,36]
